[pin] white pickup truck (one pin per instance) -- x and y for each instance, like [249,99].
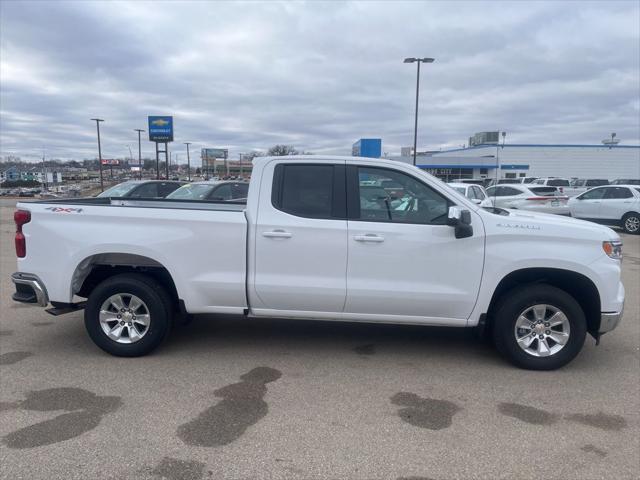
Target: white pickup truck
[322,238]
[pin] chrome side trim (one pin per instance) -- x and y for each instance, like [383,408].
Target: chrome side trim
[35,283]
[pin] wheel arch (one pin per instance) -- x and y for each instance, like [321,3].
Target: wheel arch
[630,212]
[98,267]
[579,286]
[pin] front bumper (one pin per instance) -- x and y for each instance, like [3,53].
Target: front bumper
[610,320]
[29,289]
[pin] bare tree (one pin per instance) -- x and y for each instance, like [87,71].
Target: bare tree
[251,155]
[282,150]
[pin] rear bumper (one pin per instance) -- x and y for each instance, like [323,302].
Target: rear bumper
[29,289]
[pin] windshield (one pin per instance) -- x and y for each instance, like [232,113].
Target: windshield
[192,191]
[459,190]
[120,190]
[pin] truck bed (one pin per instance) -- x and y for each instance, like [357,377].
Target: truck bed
[202,245]
[235,206]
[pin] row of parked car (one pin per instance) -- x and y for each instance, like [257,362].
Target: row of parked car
[224,190]
[611,204]
[614,204]
[573,185]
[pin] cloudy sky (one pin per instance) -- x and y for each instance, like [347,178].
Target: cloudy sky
[315,75]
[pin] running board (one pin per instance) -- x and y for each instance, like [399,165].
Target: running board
[62,308]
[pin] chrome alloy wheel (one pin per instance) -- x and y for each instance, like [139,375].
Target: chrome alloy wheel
[124,318]
[632,224]
[542,330]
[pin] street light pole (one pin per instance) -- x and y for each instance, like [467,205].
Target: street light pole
[139,130]
[44,173]
[188,162]
[415,129]
[98,120]
[130,156]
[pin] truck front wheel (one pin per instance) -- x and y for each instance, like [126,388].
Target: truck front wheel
[539,327]
[128,315]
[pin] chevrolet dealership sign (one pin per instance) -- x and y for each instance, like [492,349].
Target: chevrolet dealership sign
[161,129]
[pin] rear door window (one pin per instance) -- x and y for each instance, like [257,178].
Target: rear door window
[308,190]
[508,191]
[146,190]
[544,191]
[239,190]
[165,188]
[613,193]
[223,192]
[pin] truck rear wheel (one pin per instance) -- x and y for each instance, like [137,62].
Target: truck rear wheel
[128,315]
[539,327]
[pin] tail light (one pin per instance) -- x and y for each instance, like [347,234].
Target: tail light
[21,217]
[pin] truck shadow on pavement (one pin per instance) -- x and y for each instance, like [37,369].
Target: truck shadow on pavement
[292,336]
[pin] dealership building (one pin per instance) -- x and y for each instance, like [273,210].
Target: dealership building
[604,161]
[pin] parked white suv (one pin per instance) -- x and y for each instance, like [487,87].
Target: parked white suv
[475,193]
[530,197]
[617,205]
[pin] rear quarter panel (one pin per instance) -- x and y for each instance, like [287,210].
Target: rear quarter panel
[204,251]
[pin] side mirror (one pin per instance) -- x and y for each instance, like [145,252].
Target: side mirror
[461,220]
[477,201]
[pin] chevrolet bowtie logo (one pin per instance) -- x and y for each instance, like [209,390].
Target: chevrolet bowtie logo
[160,122]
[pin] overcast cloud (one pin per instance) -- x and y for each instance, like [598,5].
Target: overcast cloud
[315,75]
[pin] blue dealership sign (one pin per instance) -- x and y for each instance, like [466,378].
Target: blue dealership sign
[161,129]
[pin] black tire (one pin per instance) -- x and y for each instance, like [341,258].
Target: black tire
[518,300]
[633,217]
[156,299]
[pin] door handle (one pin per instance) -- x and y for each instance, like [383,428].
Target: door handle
[277,234]
[369,237]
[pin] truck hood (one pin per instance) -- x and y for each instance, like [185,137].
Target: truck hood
[555,225]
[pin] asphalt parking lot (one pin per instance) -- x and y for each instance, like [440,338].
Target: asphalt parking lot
[309,400]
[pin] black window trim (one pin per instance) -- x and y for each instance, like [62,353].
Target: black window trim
[353,197]
[338,199]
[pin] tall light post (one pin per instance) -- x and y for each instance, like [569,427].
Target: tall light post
[188,162]
[139,130]
[98,120]
[44,172]
[415,129]
[504,135]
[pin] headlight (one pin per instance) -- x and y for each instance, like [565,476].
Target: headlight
[613,249]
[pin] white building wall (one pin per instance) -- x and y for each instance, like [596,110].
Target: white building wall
[582,161]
